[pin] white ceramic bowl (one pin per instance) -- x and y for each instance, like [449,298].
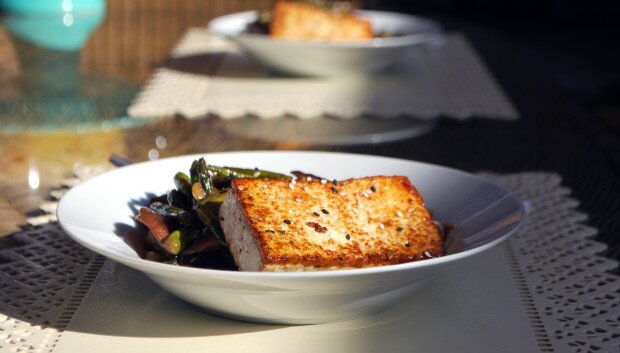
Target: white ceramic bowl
[317,58]
[94,212]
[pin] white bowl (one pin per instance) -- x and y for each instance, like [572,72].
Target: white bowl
[484,214]
[318,58]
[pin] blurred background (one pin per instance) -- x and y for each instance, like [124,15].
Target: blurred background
[575,43]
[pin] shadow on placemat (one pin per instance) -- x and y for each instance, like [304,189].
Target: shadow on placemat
[124,307]
[125,297]
[197,64]
[133,298]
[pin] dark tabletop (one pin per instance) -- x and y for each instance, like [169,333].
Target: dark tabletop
[554,134]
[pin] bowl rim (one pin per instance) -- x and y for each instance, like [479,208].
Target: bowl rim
[434,33]
[157,267]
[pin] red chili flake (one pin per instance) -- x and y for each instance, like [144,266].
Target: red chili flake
[317,227]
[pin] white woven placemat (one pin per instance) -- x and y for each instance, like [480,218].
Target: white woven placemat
[207,75]
[546,290]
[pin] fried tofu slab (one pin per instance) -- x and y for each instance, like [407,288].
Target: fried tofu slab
[313,225]
[295,20]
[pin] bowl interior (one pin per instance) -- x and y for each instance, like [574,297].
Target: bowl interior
[97,212]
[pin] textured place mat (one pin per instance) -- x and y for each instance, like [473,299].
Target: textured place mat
[546,289]
[208,75]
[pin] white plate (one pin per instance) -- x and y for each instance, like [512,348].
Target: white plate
[318,58]
[95,212]
[328,131]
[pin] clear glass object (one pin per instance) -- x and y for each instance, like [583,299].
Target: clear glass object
[48,91]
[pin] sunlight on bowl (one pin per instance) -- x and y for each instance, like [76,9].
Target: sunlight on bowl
[317,58]
[483,214]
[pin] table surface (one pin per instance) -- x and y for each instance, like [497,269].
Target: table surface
[554,133]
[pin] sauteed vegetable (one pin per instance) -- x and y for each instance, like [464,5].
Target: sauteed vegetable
[183,225]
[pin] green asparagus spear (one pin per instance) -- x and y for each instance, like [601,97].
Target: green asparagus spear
[231,172]
[200,173]
[183,183]
[178,240]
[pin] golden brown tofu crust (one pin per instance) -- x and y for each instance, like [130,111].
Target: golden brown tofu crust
[293,20]
[314,225]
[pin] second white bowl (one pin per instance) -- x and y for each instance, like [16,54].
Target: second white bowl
[318,58]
